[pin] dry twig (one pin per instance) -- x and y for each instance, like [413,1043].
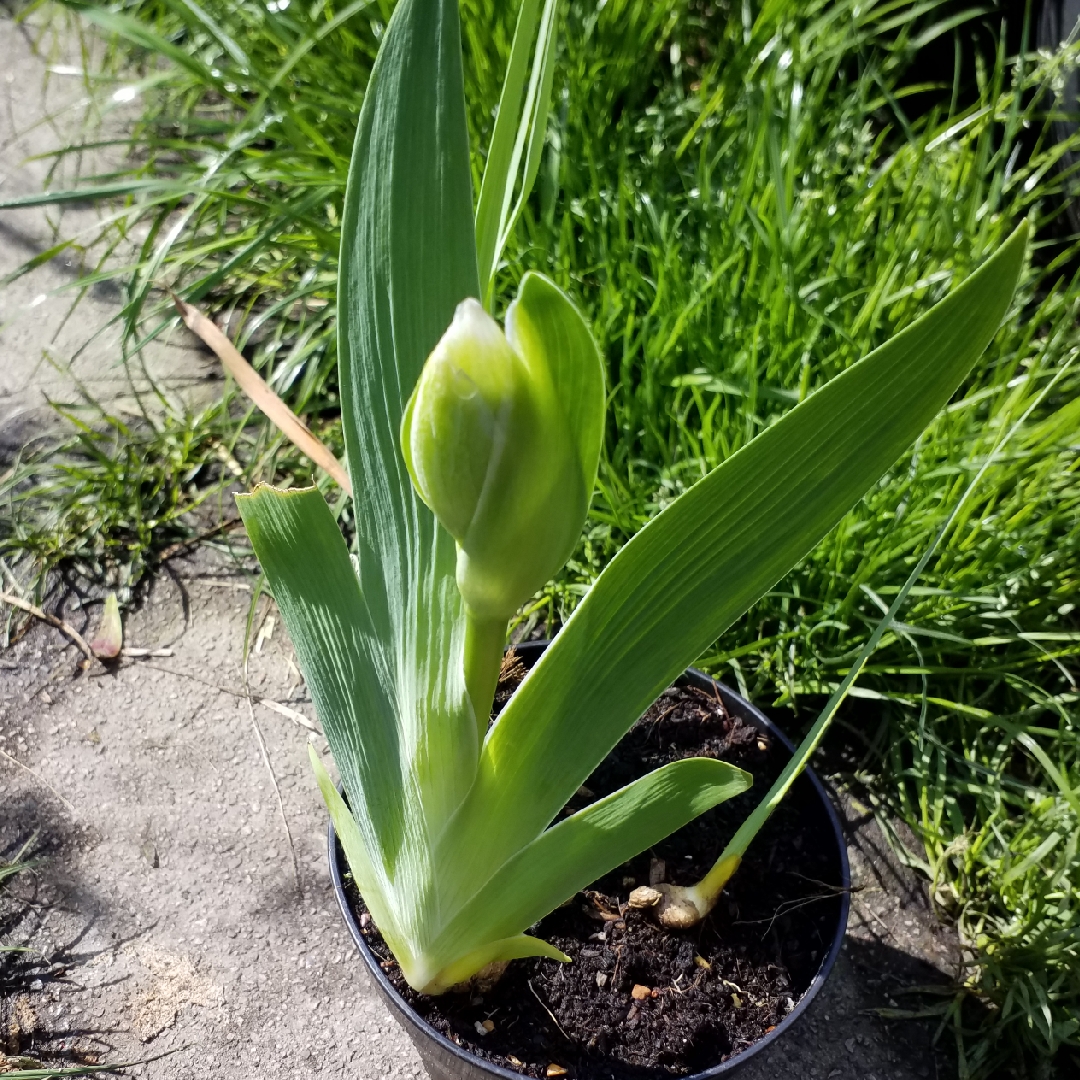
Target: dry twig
[256,388]
[52,620]
[290,714]
[182,545]
[40,779]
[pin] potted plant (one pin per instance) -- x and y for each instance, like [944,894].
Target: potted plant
[473,452]
[714,999]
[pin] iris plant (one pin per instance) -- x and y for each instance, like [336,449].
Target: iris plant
[473,452]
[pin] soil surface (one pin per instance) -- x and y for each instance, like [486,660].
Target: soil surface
[637,1000]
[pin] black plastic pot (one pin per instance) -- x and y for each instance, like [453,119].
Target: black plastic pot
[446,1061]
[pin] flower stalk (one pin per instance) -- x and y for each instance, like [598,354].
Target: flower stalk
[501,437]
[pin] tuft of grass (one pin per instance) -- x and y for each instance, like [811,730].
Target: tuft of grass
[745,201]
[17,864]
[115,494]
[109,497]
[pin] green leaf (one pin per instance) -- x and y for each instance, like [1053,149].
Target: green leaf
[365,875]
[94,192]
[1071,796]
[684,578]
[706,892]
[38,260]
[496,189]
[134,31]
[407,259]
[544,325]
[519,130]
[512,948]
[190,12]
[307,566]
[585,846]
[306,563]
[381,643]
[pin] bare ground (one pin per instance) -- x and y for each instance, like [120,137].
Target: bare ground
[48,346]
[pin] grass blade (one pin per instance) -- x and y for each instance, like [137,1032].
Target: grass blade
[96,192]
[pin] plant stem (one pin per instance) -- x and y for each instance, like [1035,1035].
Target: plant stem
[484,641]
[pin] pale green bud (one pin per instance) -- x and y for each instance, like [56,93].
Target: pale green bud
[501,439]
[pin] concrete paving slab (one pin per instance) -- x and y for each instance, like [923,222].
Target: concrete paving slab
[168,909]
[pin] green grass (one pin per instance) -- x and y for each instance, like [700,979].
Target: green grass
[743,211]
[11,868]
[116,494]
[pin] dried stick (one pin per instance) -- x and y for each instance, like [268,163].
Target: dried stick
[277,792]
[52,620]
[183,545]
[256,388]
[39,779]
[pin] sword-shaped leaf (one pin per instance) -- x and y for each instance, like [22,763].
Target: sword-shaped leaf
[408,258]
[306,563]
[381,645]
[585,846]
[681,581]
[520,127]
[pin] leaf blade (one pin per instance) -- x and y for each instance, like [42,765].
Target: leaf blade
[544,322]
[533,129]
[517,947]
[307,565]
[583,847]
[519,129]
[356,855]
[498,173]
[698,565]
[408,258]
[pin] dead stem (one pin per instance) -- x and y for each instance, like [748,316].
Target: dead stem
[40,779]
[65,628]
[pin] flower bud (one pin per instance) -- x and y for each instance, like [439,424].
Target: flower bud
[493,447]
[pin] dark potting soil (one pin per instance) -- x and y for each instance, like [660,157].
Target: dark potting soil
[639,1001]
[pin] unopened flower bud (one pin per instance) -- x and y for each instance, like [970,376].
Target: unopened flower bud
[503,459]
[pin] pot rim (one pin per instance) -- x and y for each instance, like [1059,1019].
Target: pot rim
[736,1061]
